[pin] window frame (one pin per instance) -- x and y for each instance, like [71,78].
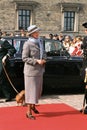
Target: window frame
[67,7]
[24,15]
[69,20]
[27,5]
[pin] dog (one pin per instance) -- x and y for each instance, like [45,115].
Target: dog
[20,98]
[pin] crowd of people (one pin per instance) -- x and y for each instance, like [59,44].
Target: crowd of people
[72,45]
[21,33]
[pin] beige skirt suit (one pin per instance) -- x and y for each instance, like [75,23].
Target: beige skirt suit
[33,72]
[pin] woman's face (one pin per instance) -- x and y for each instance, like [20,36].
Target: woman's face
[35,35]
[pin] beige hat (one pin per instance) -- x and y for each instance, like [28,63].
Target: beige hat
[33,28]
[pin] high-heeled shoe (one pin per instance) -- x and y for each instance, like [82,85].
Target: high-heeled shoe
[35,110]
[30,116]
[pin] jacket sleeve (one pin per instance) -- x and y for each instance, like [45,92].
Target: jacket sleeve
[10,49]
[26,55]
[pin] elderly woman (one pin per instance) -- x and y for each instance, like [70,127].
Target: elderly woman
[34,62]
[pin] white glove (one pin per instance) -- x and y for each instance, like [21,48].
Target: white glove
[4,59]
[85,69]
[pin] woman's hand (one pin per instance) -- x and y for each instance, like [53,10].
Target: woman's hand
[41,62]
[4,59]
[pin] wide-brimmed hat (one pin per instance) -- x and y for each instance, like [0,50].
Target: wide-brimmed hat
[33,28]
[84,25]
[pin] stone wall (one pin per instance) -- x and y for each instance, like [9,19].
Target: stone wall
[47,15]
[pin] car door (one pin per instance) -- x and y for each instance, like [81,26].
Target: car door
[62,71]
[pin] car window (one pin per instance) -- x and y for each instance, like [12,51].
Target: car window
[52,45]
[16,44]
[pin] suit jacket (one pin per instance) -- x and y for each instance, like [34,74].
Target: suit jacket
[30,53]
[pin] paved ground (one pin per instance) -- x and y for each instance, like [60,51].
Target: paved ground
[74,100]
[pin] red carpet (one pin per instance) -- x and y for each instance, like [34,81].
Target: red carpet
[51,117]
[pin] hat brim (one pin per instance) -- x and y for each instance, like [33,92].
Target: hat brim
[36,30]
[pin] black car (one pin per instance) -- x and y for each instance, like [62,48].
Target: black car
[62,71]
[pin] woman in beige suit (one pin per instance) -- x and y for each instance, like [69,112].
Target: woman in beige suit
[34,62]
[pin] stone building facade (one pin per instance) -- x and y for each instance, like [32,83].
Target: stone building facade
[50,15]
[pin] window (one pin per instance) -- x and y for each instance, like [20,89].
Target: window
[25,13]
[70,16]
[24,18]
[69,20]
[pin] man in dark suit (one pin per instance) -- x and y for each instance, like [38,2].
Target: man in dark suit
[6,51]
[84,47]
[84,68]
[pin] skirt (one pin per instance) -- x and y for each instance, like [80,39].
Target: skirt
[33,89]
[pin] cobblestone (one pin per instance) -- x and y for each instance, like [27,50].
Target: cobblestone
[73,100]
